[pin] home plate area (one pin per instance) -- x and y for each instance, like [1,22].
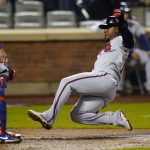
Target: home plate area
[80,139]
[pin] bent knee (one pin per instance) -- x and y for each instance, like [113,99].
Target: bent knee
[75,116]
[64,81]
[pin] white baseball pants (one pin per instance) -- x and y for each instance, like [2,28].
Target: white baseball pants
[97,90]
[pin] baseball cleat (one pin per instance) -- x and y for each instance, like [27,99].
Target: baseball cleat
[7,138]
[123,122]
[38,117]
[16,135]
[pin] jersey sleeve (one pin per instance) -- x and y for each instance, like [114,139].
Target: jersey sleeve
[127,36]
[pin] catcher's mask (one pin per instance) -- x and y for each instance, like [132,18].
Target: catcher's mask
[111,21]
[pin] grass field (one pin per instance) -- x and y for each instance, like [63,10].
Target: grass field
[138,114]
[68,135]
[135,149]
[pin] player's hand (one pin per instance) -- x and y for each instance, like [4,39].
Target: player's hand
[117,13]
[3,56]
[135,56]
[120,16]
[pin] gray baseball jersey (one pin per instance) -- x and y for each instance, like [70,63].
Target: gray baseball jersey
[96,88]
[112,58]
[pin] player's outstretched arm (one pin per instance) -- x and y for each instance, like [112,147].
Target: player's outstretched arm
[127,36]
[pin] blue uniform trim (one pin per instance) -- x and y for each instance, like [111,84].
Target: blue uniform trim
[3,115]
[144,42]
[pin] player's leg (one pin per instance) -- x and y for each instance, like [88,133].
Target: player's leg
[3,117]
[4,75]
[91,83]
[85,112]
[2,109]
[5,137]
[144,59]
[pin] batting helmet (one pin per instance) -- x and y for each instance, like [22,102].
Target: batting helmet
[111,21]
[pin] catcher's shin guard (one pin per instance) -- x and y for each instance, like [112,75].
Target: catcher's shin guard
[2,110]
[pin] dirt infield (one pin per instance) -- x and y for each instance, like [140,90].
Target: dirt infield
[79,139]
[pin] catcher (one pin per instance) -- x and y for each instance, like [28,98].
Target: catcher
[6,74]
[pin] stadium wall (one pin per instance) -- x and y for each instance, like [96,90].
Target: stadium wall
[41,59]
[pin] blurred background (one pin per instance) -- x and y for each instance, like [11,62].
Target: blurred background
[46,40]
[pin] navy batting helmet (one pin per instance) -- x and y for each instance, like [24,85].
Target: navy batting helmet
[111,21]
